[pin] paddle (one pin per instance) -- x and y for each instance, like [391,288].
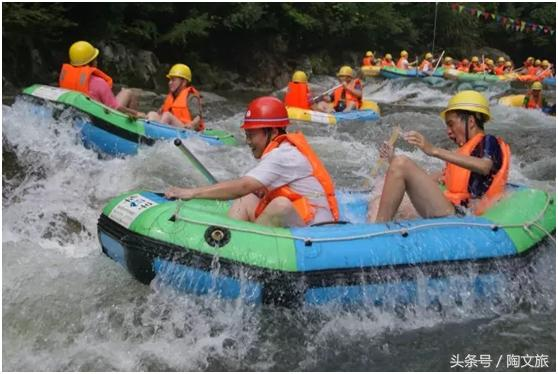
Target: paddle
[483,68]
[197,164]
[437,63]
[545,70]
[315,98]
[380,161]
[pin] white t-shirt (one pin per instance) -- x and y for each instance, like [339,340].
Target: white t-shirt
[285,165]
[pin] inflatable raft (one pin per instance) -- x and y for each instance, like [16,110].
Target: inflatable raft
[114,133]
[512,100]
[370,111]
[370,71]
[194,247]
[391,72]
[551,82]
[517,101]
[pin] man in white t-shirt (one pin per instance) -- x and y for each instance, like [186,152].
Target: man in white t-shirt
[289,186]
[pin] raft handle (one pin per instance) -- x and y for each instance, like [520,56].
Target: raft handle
[217,236]
[330,223]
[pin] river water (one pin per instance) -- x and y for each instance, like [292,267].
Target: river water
[67,307]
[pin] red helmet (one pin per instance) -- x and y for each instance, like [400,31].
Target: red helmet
[265,111]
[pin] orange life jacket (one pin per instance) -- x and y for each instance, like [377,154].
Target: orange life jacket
[464,67]
[427,64]
[533,103]
[179,106]
[456,178]
[499,70]
[387,62]
[339,92]
[478,68]
[402,63]
[547,73]
[301,204]
[77,77]
[368,61]
[532,70]
[297,95]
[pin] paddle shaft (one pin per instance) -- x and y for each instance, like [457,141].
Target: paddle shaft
[315,98]
[545,70]
[379,162]
[197,164]
[437,63]
[392,139]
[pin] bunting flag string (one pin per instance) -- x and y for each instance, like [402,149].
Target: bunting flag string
[507,22]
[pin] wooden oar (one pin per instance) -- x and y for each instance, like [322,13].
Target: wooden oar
[437,63]
[381,161]
[545,70]
[315,98]
[195,162]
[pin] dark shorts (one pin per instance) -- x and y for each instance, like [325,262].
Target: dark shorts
[460,211]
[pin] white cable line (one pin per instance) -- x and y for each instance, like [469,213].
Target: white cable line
[402,231]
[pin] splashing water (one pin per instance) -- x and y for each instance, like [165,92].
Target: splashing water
[68,307]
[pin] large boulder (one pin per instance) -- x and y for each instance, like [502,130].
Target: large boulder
[135,67]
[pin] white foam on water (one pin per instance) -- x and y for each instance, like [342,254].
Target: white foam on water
[68,307]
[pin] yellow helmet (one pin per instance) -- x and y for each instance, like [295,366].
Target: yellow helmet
[428,55]
[537,62]
[369,54]
[471,101]
[180,71]
[537,86]
[530,59]
[508,63]
[489,61]
[474,59]
[345,71]
[388,56]
[82,53]
[300,77]
[404,53]
[545,63]
[448,59]
[501,59]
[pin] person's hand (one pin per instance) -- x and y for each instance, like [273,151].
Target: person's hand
[386,151]
[419,140]
[179,193]
[260,192]
[141,115]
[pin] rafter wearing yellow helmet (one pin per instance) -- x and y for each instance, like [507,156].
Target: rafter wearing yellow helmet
[475,175]
[83,75]
[182,107]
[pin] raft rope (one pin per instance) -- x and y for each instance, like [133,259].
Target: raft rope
[435,21]
[402,231]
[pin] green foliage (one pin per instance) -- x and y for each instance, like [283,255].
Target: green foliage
[234,35]
[46,19]
[197,26]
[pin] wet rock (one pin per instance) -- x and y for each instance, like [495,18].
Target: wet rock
[489,52]
[135,66]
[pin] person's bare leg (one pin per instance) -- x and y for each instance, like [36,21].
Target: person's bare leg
[128,98]
[170,119]
[280,212]
[153,116]
[244,208]
[406,209]
[323,106]
[405,176]
[350,106]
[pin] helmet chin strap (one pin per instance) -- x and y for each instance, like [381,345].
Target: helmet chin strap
[467,130]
